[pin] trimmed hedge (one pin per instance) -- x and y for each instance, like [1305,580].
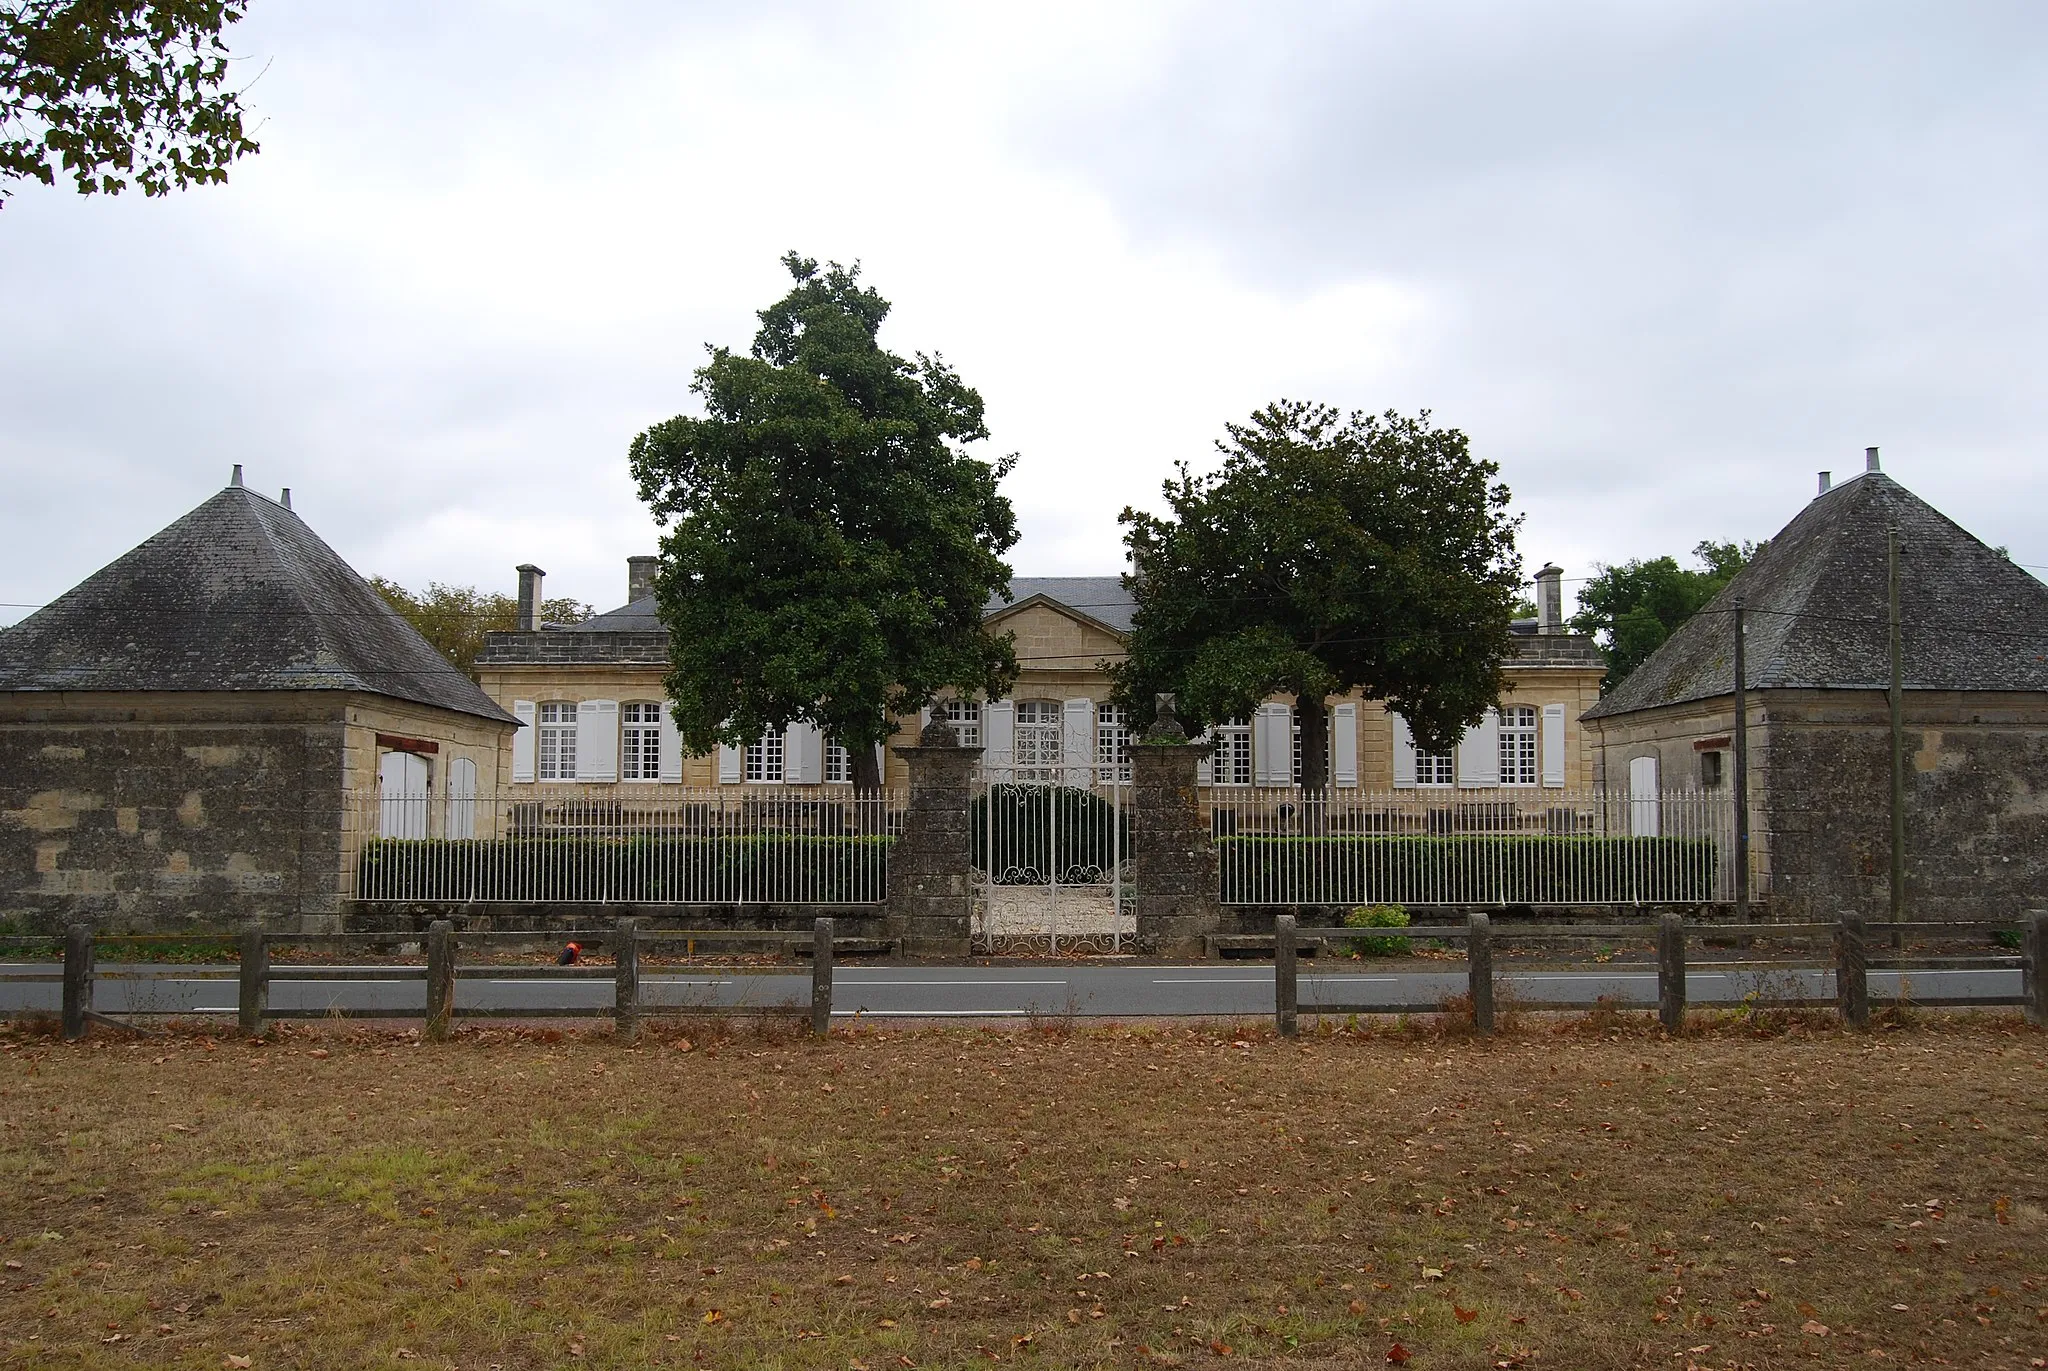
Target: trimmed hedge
[1043,831]
[1467,869]
[767,868]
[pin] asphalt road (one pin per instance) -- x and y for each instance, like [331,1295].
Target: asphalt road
[1087,989]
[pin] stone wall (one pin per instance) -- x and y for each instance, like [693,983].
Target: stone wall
[930,890]
[1173,856]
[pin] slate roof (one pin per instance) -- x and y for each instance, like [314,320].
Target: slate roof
[238,595]
[1815,602]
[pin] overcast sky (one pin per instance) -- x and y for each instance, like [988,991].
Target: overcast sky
[1661,261]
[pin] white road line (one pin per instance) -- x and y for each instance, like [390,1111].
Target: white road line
[1220,980]
[991,983]
[956,1013]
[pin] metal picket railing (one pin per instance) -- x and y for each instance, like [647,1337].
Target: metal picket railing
[637,844]
[1287,846]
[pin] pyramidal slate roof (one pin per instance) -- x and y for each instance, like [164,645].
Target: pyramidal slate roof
[238,595]
[1815,604]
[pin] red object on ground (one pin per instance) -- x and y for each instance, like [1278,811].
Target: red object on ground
[571,955]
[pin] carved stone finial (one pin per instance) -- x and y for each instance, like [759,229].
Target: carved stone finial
[938,733]
[1166,724]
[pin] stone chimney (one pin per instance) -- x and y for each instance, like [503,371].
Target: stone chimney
[1550,599]
[1827,479]
[530,577]
[1870,459]
[236,479]
[640,577]
[286,498]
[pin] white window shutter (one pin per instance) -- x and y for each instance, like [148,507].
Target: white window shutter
[1404,752]
[461,799]
[881,763]
[523,740]
[597,740]
[1077,741]
[1205,768]
[1273,745]
[1552,743]
[1643,812]
[999,730]
[731,765]
[671,747]
[1344,746]
[1479,754]
[803,754]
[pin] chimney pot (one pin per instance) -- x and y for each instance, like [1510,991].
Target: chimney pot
[1827,479]
[286,498]
[1550,599]
[530,577]
[236,479]
[1870,459]
[640,577]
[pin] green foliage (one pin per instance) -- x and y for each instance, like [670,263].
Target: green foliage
[831,544]
[770,868]
[118,92]
[1045,832]
[2009,938]
[1328,553]
[1632,608]
[1378,916]
[1467,869]
[456,618]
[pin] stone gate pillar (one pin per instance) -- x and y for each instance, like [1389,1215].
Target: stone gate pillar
[1173,857]
[930,887]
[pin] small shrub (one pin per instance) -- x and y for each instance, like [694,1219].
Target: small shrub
[1378,916]
[2008,938]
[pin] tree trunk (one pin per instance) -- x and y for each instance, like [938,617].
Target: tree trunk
[1314,717]
[866,769]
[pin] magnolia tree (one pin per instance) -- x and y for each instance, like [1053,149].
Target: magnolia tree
[1328,553]
[831,541]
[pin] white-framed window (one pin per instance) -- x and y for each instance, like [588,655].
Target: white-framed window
[1038,745]
[1435,768]
[764,759]
[1112,744]
[1518,745]
[640,742]
[556,746]
[965,716]
[1231,761]
[838,764]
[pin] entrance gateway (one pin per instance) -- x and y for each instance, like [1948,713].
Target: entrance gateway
[1050,855]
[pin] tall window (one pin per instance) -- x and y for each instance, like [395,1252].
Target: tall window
[1112,744]
[838,764]
[640,742]
[1231,762]
[764,759]
[965,716]
[557,743]
[1435,768]
[1518,745]
[1038,740]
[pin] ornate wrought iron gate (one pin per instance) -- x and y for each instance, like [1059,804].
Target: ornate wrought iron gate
[1050,866]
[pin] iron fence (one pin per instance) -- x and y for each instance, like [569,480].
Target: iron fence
[626,844]
[1424,846]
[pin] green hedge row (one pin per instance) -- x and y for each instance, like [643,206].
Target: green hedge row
[1475,869]
[1028,834]
[769,868]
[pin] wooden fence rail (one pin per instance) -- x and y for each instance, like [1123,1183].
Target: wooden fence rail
[1851,965]
[442,974]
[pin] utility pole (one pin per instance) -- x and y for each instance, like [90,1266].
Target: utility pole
[1898,711]
[1742,909]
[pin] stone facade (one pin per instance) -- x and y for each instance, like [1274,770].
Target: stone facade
[1820,788]
[153,811]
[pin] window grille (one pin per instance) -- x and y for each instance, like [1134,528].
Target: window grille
[557,742]
[1038,740]
[1231,762]
[764,759]
[965,716]
[1112,744]
[1518,745]
[640,742]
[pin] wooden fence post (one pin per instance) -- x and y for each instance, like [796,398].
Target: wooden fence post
[254,999]
[1286,985]
[2034,973]
[626,979]
[1479,969]
[440,978]
[1671,973]
[1852,971]
[78,969]
[821,977]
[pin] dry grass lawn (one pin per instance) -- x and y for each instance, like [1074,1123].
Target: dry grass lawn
[1587,1195]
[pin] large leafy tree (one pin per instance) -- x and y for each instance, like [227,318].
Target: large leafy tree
[456,618]
[1328,553]
[1632,608]
[831,543]
[114,93]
